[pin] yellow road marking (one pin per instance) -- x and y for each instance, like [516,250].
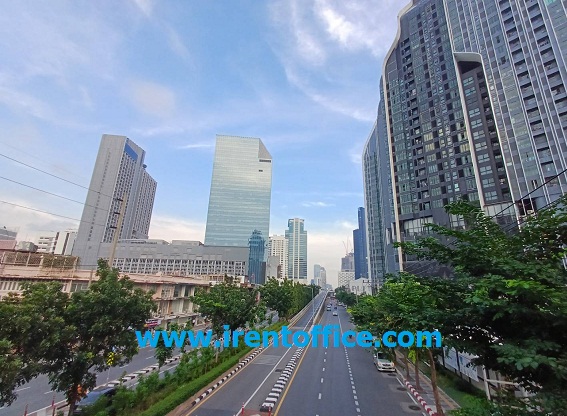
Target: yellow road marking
[291,381]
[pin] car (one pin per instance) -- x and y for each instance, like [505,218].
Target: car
[92,397]
[335,313]
[329,308]
[383,362]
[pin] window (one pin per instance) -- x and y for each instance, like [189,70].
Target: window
[487,182]
[490,196]
[485,170]
[482,158]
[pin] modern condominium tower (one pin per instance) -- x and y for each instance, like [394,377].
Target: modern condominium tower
[442,136]
[119,174]
[296,237]
[241,190]
[521,47]
[378,202]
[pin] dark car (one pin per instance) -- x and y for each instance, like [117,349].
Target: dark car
[92,397]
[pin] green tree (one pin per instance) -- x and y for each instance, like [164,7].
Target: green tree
[227,304]
[163,353]
[514,313]
[278,296]
[71,337]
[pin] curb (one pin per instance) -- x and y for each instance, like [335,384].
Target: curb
[225,378]
[279,386]
[138,373]
[418,397]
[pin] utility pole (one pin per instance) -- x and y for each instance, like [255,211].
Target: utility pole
[118,229]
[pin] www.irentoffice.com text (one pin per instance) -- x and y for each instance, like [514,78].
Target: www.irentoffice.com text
[330,337]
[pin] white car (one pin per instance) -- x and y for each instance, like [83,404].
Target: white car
[383,363]
[335,313]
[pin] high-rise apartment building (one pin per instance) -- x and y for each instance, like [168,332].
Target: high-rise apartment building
[360,247]
[241,190]
[119,176]
[382,257]
[278,247]
[520,51]
[442,136]
[296,237]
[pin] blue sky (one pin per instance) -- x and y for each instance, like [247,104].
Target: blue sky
[302,75]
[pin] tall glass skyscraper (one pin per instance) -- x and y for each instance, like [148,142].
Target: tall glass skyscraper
[241,191]
[360,249]
[256,264]
[119,172]
[296,235]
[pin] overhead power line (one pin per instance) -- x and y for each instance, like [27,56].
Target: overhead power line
[54,176]
[51,193]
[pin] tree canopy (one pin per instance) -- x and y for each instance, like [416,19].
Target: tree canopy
[70,337]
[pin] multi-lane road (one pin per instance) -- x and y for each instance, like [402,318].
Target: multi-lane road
[37,394]
[325,382]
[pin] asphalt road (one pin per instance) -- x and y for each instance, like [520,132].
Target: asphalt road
[343,381]
[251,385]
[37,393]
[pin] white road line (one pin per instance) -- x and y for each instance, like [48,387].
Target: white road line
[24,388]
[149,358]
[319,396]
[321,379]
[276,365]
[50,391]
[323,368]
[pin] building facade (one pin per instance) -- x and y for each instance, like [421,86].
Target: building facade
[345,278]
[296,237]
[347,263]
[442,138]
[178,258]
[60,242]
[256,263]
[360,247]
[241,190]
[378,201]
[520,48]
[119,176]
[278,247]
[319,276]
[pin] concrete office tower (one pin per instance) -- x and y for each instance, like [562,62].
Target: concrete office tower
[360,248]
[256,264]
[241,190]
[441,132]
[119,172]
[277,247]
[296,237]
[378,201]
[520,48]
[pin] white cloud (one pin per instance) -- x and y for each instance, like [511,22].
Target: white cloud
[169,228]
[153,99]
[22,102]
[145,6]
[176,44]
[317,204]
[197,146]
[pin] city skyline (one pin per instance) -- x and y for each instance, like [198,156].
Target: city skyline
[302,76]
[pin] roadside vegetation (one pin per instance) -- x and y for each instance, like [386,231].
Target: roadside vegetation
[506,304]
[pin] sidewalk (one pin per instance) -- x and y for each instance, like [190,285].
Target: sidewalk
[426,390]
